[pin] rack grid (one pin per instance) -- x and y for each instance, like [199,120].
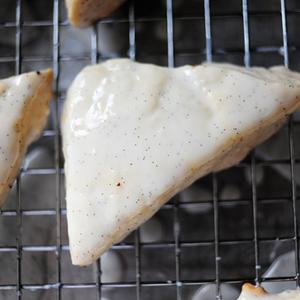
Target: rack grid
[176,205]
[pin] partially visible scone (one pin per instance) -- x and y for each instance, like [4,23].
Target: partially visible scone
[24,108]
[251,292]
[83,13]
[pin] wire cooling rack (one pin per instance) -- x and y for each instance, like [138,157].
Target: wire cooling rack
[180,279]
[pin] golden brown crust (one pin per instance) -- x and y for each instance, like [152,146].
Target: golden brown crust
[2,88]
[83,13]
[254,290]
[29,126]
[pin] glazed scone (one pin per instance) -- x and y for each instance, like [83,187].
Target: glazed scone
[83,13]
[250,292]
[24,108]
[136,134]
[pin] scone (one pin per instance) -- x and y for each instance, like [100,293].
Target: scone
[83,13]
[250,292]
[136,134]
[24,108]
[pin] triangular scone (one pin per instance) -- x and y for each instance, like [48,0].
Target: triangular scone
[136,134]
[24,108]
[83,13]
[250,292]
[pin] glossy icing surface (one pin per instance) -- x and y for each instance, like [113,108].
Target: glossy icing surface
[134,133]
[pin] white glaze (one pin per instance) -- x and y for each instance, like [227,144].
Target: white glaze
[287,295]
[135,133]
[21,121]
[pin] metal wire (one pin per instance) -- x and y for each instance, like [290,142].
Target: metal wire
[176,224]
[246,33]
[56,72]
[19,196]
[253,159]
[208,38]
[291,145]
[207,31]
[137,246]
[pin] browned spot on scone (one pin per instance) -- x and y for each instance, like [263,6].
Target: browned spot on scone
[254,290]
[83,13]
[2,88]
